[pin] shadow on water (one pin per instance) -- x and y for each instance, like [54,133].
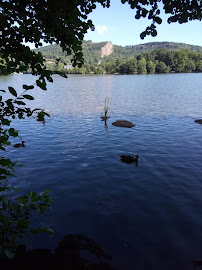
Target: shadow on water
[69,255]
[197,264]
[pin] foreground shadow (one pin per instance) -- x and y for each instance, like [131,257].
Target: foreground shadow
[67,256]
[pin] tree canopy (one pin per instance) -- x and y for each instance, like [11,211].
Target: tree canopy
[179,11]
[61,21]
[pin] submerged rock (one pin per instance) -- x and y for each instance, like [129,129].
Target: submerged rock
[199,121]
[123,123]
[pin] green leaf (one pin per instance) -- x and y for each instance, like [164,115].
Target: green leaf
[154,33]
[2,189]
[5,122]
[42,85]
[143,35]
[5,162]
[45,192]
[173,19]
[12,91]
[23,199]
[62,74]
[23,223]
[13,132]
[10,254]
[28,97]
[19,102]
[4,219]
[10,104]
[144,12]
[28,87]
[33,195]
[7,143]
[158,20]
[20,165]
[50,79]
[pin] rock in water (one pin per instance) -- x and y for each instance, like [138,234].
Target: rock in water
[123,123]
[199,121]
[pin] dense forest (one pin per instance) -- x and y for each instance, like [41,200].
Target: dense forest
[149,58]
[157,61]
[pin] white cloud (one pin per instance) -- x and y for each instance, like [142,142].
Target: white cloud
[101,29]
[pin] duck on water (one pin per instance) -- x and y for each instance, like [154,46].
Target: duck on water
[18,145]
[130,159]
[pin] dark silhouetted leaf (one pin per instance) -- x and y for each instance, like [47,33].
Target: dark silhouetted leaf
[28,87]
[28,97]
[12,91]
[19,102]
[158,20]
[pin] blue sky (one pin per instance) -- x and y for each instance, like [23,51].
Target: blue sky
[118,25]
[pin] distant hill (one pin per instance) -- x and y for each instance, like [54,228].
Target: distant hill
[150,46]
[134,50]
[92,51]
[104,57]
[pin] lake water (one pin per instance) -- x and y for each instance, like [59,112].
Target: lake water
[146,217]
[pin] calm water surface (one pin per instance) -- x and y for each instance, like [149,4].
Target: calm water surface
[146,217]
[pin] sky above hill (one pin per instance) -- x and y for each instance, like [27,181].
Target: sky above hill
[118,25]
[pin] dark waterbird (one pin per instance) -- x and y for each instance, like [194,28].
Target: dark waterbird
[18,145]
[130,159]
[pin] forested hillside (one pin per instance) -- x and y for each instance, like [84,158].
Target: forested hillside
[153,57]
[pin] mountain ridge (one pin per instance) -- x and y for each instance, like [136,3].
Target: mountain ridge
[100,56]
[152,45]
[92,50]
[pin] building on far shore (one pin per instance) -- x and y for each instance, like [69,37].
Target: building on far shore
[68,66]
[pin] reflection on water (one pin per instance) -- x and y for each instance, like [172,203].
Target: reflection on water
[106,126]
[146,216]
[157,95]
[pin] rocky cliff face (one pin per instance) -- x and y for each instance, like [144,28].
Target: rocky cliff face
[107,49]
